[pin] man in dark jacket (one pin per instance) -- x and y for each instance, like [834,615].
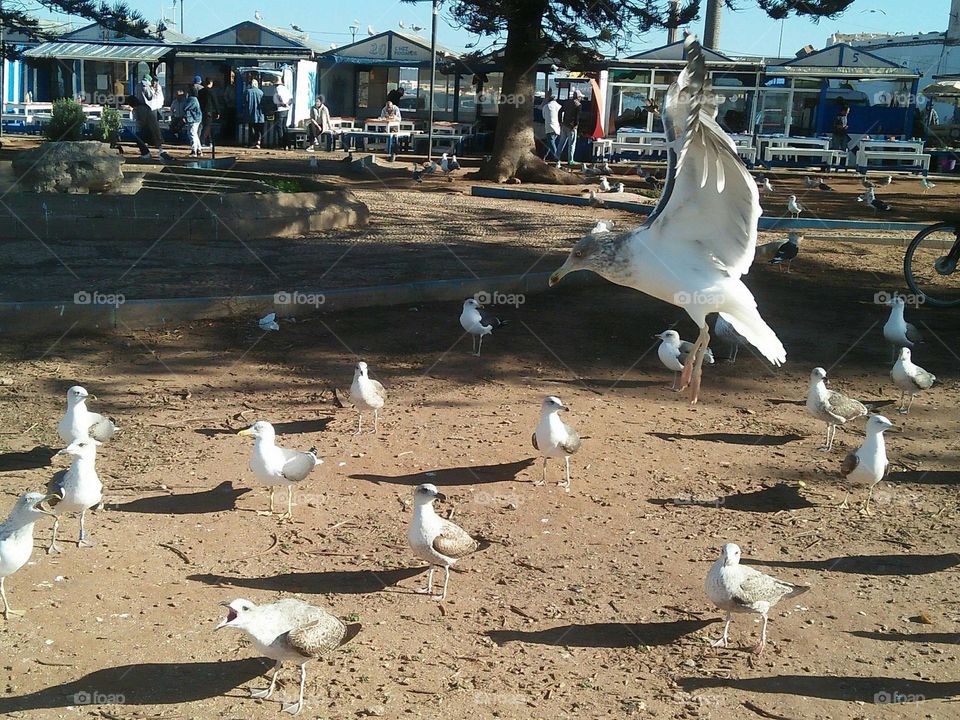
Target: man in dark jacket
[210,107]
[569,123]
[253,112]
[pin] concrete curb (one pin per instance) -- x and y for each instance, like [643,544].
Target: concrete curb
[60,317]
[766,223]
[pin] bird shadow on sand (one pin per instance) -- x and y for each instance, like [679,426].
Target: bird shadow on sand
[604,635]
[466,475]
[38,457]
[142,684]
[353,582]
[872,564]
[295,427]
[219,499]
[925,477]
[942,637]
[732,438]
[771,499]
[868,690]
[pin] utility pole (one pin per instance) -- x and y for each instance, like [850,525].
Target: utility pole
[433,77]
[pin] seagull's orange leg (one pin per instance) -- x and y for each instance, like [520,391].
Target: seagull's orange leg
[701,348]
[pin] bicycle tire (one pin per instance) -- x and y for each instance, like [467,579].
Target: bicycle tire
[908,274]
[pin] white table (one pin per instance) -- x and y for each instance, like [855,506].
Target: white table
[905,154]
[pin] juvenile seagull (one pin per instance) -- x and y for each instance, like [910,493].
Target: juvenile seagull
[866,183]
[554,438]
[793,207]
[821,185]
[897,331]
[78,422]
[910,378]
[366,394]
[867,465]
[724,330]
[674,354]
[16,540]
[288,631]
[871,199]
[787,251]
[478,324]
[76,489]
[809,181]
[738,588]
[888,180]
[701,236]
[830,406]
[274,465]
[435,539]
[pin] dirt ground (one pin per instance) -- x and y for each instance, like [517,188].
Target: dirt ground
[591,604]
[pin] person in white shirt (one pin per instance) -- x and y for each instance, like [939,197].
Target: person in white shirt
[390,112]
[318,123]
[283,99]
[551,126]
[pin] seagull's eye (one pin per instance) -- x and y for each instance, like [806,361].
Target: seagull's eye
[578,253]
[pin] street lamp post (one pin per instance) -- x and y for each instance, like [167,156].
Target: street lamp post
[433,77]
[354,29]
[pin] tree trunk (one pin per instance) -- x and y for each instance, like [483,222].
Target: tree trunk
[514,144]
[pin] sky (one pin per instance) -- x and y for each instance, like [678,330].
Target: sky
[745,32]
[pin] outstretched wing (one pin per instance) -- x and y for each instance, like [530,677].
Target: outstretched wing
[710,202]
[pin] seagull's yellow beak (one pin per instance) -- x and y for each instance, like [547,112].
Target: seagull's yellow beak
[52,496]
[559,273]
[246,431]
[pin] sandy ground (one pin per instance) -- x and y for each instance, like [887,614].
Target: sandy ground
[591,603]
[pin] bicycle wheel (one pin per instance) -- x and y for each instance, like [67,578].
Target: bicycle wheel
[930,265]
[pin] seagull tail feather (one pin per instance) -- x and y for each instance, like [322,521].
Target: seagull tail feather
[748,323]
[797,590]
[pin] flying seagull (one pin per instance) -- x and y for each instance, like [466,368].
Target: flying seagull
[16,539]
[78,422]
[76,489]
[366,394]
[737,588]
[701,236]
[910,378]
[830,406]
[478,324]
[274,465]
[289,630]
[437,540]
[553,438]
[867,465]
[674,353]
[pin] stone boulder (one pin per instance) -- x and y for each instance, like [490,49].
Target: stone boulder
[69,167]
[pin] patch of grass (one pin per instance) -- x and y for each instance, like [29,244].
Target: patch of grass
[283,185]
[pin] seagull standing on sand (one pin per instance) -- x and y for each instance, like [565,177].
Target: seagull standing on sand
[871,199]
[289,630]
[809,181]
[787,251]
[867,465]
[821,185]
[478,324]
[910,378]
[604,184]
[897,331]
[76,489]
[78,422]
[724,330]
[674,354]
[701,236]
[274,465]
[830,406]
[767,187]
[793,207]
[553,438]
[437,540]
[738,588]
[16,540]
[927,184]
[366,394]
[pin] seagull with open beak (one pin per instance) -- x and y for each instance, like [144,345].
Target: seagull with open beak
[16,539]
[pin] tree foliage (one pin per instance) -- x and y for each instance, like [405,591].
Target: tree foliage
[20,16]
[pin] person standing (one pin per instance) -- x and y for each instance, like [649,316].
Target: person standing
[569,124]
[177,120]
[210,106]
[841,126]
[193,116]
[145,114]
[253,112]
[551,126]
[228,108]
[318,124]
[283,99]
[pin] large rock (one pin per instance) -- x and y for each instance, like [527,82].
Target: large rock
[69,167]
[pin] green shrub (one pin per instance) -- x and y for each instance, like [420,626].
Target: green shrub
[109,125]
[67,121]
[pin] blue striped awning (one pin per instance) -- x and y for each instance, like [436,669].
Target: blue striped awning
[109,52]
